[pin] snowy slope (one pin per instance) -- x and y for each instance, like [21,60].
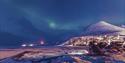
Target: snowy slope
[123,26]
[68,59]
[103,27]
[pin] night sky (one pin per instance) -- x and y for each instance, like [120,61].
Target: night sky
[54,21]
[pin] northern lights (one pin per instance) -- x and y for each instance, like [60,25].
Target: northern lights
[49,19]
[52,25]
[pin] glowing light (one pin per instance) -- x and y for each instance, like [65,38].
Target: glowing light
[42,42]
[31,45]
[52,24]
[23,45]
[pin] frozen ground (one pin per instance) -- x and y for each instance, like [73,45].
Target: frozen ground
[54,55]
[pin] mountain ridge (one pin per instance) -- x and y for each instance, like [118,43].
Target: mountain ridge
[104,28]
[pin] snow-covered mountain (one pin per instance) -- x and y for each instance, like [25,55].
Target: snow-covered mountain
[100,28]
[103,27]
[123,26]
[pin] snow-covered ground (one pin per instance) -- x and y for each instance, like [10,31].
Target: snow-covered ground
[50,51]
[54,55]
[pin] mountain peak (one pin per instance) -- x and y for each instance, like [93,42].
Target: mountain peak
[102,22]
[103,27]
